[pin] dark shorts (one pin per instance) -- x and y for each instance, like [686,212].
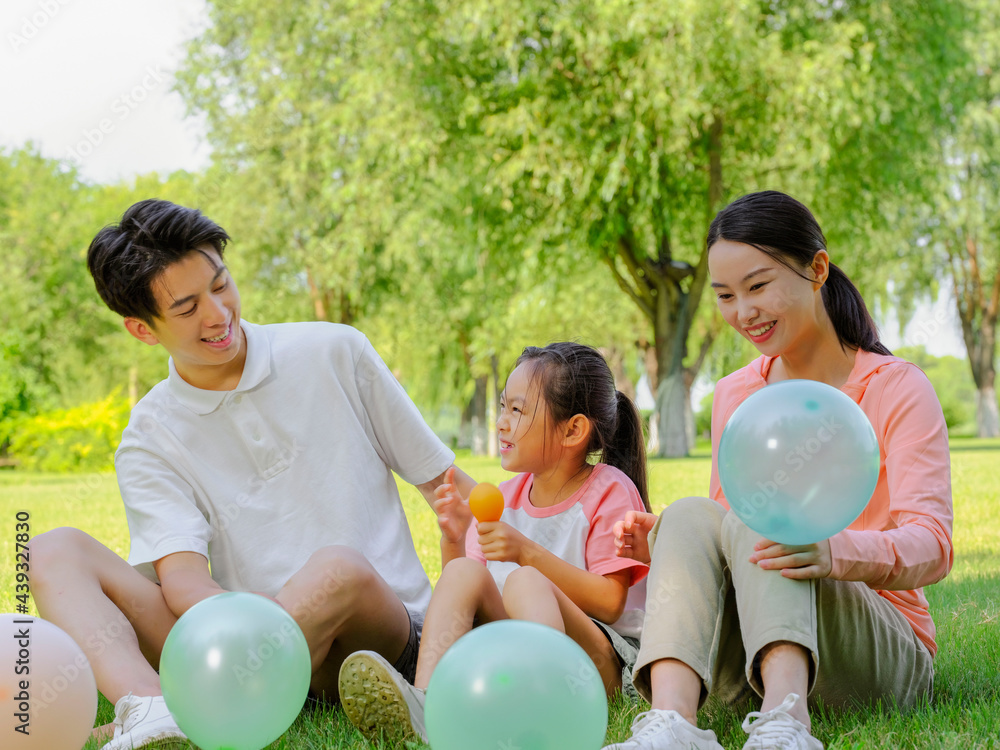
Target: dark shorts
[406,664]
[627,649]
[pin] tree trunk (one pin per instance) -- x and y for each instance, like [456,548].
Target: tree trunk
[473,431]
[987,412]
[616,361]
[978,302]
[492,406]
[675,424]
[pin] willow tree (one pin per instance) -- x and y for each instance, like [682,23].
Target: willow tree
[319,136]
[964,220]
[625,126]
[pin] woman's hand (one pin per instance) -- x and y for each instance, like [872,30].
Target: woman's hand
[503,543]
[801,562]
[632,536]
[452,510]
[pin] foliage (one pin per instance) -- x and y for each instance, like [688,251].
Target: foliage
[82,438]
[957,229]
[619,128]
[953,385]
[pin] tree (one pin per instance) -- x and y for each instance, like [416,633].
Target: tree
[622,127]
[305,109]
[969,219]
[48,360]
[956,230]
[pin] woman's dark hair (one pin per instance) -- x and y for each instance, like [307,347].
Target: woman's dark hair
[125,259]
[575,379]
[781,227]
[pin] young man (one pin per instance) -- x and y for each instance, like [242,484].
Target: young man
[267,452]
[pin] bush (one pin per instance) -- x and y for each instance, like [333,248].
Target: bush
[83,438]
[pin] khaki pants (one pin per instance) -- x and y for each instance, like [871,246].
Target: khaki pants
[710,608]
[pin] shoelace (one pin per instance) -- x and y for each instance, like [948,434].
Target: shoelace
[649,722]
[777,728]
[775,733]
[129,705]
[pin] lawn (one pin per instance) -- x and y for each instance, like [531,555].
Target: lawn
[965,710]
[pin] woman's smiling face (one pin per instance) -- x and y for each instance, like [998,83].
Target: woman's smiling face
[770,304]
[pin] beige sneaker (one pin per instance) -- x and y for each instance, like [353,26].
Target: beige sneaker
[778,730]
[378,700]
[659,729]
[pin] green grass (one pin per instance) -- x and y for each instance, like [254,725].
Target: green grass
[965,710]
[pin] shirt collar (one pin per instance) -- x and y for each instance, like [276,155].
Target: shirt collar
[255,369]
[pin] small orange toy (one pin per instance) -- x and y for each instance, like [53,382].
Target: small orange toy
[486,502]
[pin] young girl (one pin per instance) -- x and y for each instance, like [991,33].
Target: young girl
[551,558]
[843,621]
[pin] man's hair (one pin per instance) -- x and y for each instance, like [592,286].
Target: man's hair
[125,259]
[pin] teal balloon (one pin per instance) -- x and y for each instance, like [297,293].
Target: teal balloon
[798,461]
[515,684]
[235,671]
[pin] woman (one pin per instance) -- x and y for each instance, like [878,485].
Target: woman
[843,620]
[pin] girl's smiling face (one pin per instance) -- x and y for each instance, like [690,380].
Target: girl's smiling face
[770,304]
[525,431]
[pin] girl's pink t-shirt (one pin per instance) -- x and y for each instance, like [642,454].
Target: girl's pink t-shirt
[902,540]
[579,530]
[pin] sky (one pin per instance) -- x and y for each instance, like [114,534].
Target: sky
[91,81]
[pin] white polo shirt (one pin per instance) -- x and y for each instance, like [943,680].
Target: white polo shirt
[299,456]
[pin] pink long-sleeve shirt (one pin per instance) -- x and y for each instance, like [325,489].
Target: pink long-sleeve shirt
[902,540]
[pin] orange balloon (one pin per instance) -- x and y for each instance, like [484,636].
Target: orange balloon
[486,502]
[48,697]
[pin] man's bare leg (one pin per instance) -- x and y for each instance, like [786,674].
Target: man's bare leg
[343,605]
[117,617]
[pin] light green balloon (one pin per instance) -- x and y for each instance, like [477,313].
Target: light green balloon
[235,671]
[516,684]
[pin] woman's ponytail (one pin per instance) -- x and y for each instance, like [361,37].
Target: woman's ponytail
[849,314]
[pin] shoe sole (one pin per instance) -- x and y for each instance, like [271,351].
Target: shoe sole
[166,741]
[170,743]
[372,701]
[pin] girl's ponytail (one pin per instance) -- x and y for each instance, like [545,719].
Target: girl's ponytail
[626,448]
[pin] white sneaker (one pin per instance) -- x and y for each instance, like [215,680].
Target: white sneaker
[141,721]
[378,700]
[778,730]
[659,729]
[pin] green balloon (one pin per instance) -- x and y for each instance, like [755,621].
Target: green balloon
[798,461]
[235,671]
[516,684]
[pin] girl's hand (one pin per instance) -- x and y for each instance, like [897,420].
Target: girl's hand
[801,562]
[632,536]
[502,542]
[453,514]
